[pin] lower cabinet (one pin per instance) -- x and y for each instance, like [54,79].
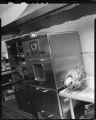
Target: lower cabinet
[47,115]
[26,101]
[47,103]
[40,102]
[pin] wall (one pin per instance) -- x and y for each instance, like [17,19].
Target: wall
[12,13]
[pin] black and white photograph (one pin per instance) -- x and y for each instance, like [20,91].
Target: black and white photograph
[47,60]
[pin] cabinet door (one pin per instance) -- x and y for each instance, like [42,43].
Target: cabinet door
[47,103]
[46,115]
[26,101]
[13,54]
[6,78]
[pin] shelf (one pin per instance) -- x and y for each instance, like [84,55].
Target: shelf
[6,72]
[86,94]
[12,82]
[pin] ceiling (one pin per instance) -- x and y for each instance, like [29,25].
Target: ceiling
[5,7]
[10,12]
[13,15]
[7,10]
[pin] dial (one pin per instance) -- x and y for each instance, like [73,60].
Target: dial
[34,46]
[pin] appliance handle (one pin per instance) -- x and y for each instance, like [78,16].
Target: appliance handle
[47,114]
[37,88]
[42,90]
[50,115]
[45,91]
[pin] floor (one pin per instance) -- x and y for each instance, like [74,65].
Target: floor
[10,110]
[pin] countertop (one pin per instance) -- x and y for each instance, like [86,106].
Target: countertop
[86,94]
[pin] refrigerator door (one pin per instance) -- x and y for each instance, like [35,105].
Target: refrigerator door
[66,54]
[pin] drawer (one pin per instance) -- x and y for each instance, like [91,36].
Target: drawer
[6,78]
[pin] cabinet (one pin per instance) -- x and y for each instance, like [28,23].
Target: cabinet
[7,86]
[85,96]
[26,100]
[47,102]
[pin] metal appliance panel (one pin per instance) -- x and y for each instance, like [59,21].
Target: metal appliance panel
[43,75]
[66,54]
[36,47]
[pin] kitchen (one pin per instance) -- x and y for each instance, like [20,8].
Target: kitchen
[50,54]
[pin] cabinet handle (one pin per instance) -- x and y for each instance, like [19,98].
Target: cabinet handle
[37,88]
[42,111]
[28,103]
[45,91]
[51,115]
[42,59]
[42,90]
